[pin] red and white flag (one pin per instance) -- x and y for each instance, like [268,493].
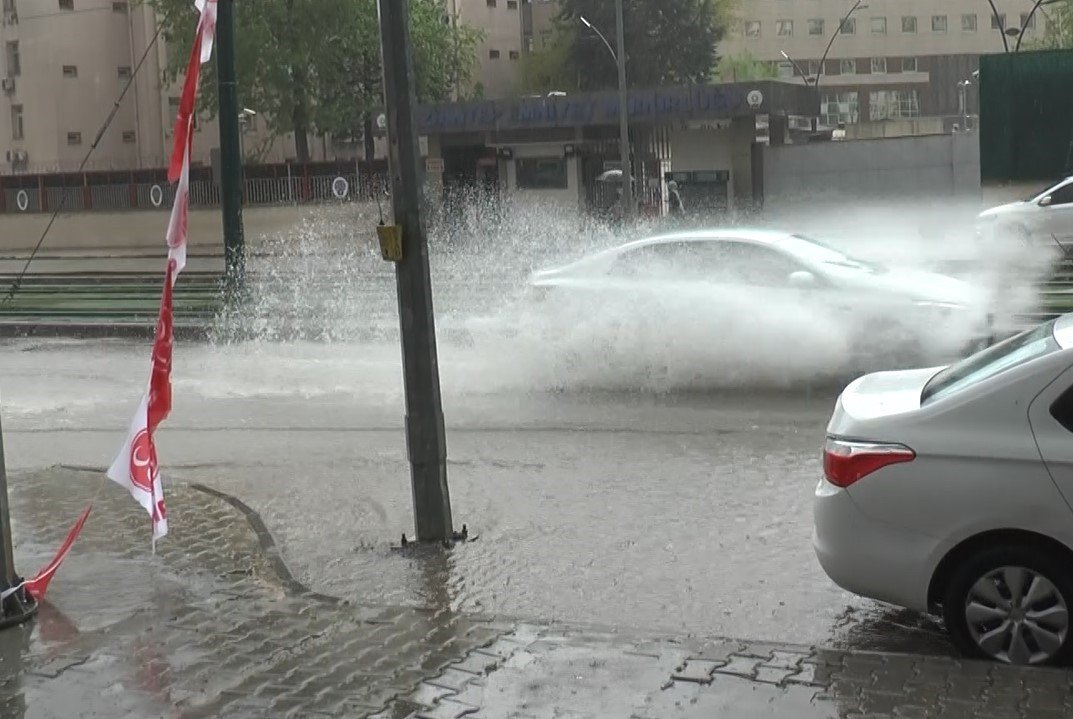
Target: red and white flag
[136,466]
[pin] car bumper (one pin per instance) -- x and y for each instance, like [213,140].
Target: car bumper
[867,557]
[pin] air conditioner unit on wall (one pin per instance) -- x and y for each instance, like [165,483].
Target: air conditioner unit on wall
[21,157]
[10,17]
[8,84]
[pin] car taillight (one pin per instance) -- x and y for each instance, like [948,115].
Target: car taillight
[846,462]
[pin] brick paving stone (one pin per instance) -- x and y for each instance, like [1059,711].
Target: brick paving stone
[772,675]
[782,659]
[446,709]
[696,670]
[805,675]
[742,666]
[452,679]
[477,663]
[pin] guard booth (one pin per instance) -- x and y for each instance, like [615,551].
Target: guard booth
[704,192]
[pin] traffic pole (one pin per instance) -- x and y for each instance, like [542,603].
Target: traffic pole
[425,436]
[623,115]
[230,146]
[19,606]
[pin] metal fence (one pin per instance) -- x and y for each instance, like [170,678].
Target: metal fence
[82,195]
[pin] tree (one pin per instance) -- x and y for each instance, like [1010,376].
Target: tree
[313,66]
[670,42]
[547,69]
[744,67]
[1057,17]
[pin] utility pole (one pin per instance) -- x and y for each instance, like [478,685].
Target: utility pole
[230,146]
[425,436]
[19,606]
[623,115]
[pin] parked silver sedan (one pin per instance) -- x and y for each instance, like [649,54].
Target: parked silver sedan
[948,490]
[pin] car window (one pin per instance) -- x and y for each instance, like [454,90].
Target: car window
[1063,195]
[992,361]
[1043,191]
[667,260]
[751,264]
[819,253]
[723,261]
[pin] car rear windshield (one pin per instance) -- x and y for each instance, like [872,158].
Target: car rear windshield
[815,251]
[983,365]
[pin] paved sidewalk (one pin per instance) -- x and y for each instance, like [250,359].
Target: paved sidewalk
[215,625]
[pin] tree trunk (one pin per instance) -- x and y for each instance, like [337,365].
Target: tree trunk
[301,125]
[300,115]
[370,141]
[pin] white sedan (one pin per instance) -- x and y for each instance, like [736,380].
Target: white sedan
[789,284]
[948,490]
[1043,218]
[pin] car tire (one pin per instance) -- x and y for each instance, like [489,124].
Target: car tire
[985,619]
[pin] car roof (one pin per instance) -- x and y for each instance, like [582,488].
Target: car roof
[765,237]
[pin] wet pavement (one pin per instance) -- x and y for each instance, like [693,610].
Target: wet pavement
[687,513]
[215,625]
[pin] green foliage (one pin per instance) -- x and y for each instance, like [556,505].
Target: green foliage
[314,65]
[744,67]
[670,42]
[547,68]
[1057,21]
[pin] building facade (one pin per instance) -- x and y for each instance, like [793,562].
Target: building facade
[895,61]
[64,65]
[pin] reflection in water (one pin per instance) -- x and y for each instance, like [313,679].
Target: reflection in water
[14,646]
[883,628]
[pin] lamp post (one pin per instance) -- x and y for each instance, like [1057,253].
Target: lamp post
[623,110]
[858,5]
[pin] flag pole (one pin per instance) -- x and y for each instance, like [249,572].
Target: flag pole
[18,606]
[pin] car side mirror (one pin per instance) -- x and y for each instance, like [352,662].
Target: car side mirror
[1046,201]
[802,280]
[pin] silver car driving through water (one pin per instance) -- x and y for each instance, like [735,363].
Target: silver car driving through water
[900,314]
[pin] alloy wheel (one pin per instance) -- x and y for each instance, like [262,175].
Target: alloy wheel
[1016,615]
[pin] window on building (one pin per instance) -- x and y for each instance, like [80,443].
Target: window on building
[784,28]
[879,26]
[786,70]
[70,70]
[815,27]
[839,108]
[493,54]
[129,136]
[512,4]
[813,68]
[909,64]
[491,3]
[541,173]
[119,6]
[752,28]
[847,66]
[938,23]
[879,65]
[998,23]
[123,72]
[9,7]
[968,23]
[893,104]
[67,4]
[849,26]
[909,24]
[515,55]
[74,138]
[14,65]
[1027,22]
[16,122]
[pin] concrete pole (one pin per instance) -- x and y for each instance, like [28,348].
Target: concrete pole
[623,115]
[18,607]
[425,436]
[230,145]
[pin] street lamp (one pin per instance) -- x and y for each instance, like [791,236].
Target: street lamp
[859,5]
[623,110]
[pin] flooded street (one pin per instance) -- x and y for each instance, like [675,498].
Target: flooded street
[686,512]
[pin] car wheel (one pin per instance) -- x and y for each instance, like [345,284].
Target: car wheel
[1011,605]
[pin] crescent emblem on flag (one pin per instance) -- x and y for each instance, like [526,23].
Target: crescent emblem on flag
[143,465]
